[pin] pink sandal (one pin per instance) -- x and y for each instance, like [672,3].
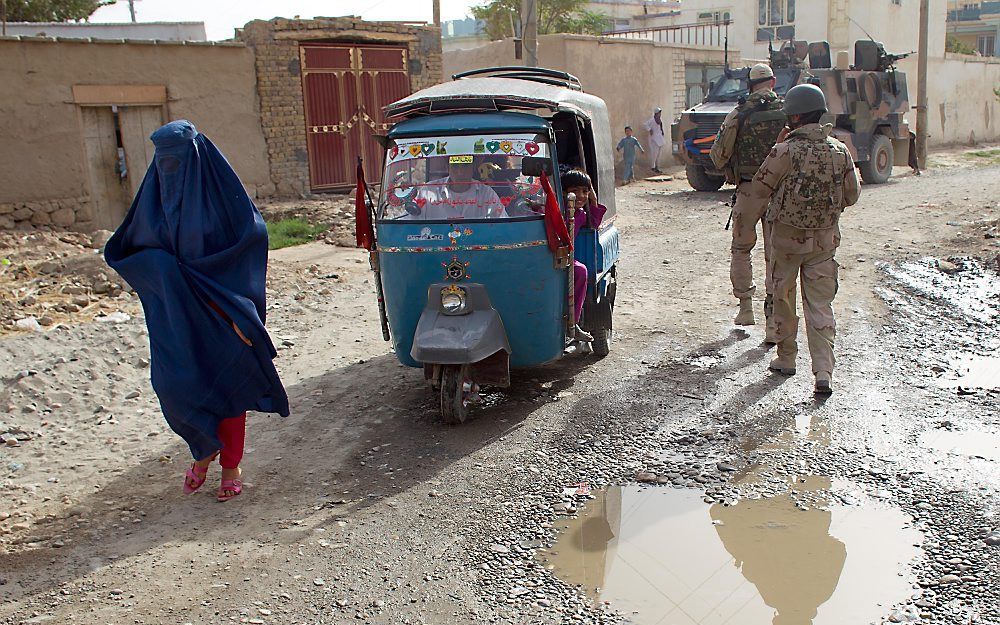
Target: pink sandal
[193,479]
[236,486]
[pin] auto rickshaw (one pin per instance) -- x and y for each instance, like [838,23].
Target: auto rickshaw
[475,278]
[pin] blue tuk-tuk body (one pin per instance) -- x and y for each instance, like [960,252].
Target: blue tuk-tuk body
[471,285]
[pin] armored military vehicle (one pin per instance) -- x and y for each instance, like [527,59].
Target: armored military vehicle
[867,102]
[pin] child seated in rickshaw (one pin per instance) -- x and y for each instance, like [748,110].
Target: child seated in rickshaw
[586,212]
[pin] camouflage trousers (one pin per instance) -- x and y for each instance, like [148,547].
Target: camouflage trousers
[819,286]
[747,212]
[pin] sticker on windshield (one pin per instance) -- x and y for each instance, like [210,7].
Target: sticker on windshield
[503,145]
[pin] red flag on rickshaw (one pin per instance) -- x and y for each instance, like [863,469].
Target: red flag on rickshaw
[555,226]
[363,235]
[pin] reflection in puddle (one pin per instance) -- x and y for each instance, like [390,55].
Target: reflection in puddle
[970,443]
[972,371]
[667,558]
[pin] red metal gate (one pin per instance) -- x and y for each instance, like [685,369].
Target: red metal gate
[345,87]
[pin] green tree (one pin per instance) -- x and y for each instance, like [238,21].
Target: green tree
[954,44]
[554,16]
[52,10]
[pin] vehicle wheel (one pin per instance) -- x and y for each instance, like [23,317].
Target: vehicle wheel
[878,168]
[455,389]
[602,342]
[700,180]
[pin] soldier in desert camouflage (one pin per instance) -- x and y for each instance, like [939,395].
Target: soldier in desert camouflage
[810,179]
[742,144]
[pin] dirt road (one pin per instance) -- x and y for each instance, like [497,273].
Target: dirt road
[717,493]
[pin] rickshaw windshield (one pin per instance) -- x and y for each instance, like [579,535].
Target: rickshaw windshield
[458,178]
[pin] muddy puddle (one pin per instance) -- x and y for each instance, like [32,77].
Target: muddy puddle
[972,371]
[664,557]
[966,285]
[971,443]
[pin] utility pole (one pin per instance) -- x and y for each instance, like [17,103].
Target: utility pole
[529,30]
[131,9]
[3,16]
[922,85]
[437,13]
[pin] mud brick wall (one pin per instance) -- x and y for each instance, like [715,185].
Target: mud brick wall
[276,47]
[64,214]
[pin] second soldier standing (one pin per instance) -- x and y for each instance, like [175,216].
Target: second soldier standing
[743,142]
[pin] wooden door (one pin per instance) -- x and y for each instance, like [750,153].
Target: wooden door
[108,192]
[137,123]
[344,88]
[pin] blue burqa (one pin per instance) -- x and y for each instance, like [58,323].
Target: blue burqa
[194,248]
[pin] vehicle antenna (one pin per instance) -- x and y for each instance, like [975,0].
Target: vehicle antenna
[727,51]
[861,27]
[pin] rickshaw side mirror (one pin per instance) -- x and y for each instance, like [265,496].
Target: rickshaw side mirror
[535,165]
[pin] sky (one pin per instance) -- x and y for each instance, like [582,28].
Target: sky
[222,16]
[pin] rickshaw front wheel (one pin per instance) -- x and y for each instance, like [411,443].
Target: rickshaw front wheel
[456,389]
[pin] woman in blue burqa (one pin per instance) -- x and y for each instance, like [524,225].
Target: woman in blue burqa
[194,248]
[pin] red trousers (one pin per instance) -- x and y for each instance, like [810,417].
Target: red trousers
[232,433]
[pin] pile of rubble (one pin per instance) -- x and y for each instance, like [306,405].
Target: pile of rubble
[48,278]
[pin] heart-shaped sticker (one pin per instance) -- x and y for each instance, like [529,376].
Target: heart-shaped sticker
[507,146]
[428,148]
[506,200]
[492,146]
[394,152]
[414,150]
[531,148]
[420,202]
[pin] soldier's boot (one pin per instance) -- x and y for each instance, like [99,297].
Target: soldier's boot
[824,383]
[784,361]
[770,332]
[745,316]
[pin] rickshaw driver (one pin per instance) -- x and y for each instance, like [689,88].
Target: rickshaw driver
[458,196]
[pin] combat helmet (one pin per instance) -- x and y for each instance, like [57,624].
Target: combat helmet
[803,99]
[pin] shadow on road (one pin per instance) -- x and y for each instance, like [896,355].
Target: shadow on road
[317,463]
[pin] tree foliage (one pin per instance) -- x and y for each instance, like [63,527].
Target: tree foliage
[554,16]
[954,44]
[52,10]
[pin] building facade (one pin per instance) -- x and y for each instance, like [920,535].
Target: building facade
[756,23]
[976,25]
[292,106]
[322,85]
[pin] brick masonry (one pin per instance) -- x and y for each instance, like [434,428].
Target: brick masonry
[276,49]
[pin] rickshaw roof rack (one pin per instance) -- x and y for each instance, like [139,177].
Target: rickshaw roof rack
[491,94]
[536,74]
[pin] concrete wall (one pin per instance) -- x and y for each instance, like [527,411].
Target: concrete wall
[962,105]
[276,47]
[631,76]
[42,149]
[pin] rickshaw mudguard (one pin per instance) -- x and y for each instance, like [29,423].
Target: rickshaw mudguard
[598,251]
[458,339]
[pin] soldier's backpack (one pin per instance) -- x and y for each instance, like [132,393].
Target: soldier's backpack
[760,122]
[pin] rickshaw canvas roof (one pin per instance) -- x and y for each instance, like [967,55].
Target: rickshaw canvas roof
[495,94]
[466,123]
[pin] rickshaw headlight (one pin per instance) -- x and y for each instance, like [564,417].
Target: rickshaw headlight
[453,301]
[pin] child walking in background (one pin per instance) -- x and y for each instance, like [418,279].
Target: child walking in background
[194,248]
[586,212]
[627,147]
